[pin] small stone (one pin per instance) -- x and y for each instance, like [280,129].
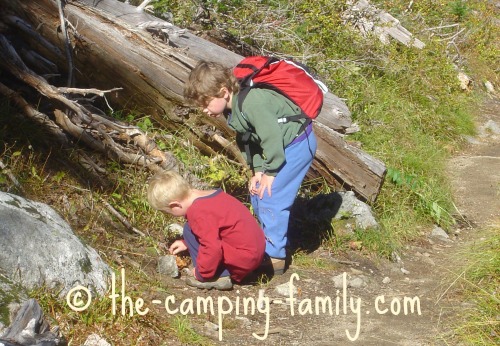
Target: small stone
[168,266]
[489,87]
[284,289]
[176,229]
[95,340]
[356,282]
[386,280]
[211,326]
[439,233]
[404,271]
[338,281]
[244,321]
[395,257]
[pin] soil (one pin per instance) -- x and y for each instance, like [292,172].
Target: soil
[376,291]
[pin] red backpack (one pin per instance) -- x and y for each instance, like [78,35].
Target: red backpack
[286,77]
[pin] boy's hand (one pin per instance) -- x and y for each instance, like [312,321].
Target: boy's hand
[265,184]
[176,247]
[254,181]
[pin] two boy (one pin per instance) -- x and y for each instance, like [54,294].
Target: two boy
[280,152]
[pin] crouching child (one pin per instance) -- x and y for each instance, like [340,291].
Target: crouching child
[223,239]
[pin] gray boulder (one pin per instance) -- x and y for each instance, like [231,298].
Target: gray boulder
[360,211]
[38,248]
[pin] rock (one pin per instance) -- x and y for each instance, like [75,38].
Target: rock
[352,207]
[472,140]
[489,87]
[11,298]
[338,281]
[29,327]
[465,81]
[176,229]
[38,248]
[95,340]
[439,233]
[284,289]
[404,271]
[211,326]
[395,257]
[245,321]
[356,282]
[386,280]
[167,265]
[489,128]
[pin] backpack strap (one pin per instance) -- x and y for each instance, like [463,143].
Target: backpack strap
[245,138]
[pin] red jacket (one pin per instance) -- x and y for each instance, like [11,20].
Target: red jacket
[228,234]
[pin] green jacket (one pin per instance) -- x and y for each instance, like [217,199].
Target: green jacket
[261,110]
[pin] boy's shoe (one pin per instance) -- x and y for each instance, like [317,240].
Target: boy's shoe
[222,284]
[273,266]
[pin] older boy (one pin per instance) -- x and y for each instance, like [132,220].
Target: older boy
[223,239]
[281,153]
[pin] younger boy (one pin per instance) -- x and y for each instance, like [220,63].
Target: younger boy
[223,239]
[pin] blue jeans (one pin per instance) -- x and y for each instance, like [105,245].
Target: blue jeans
[274,211]
[193,246]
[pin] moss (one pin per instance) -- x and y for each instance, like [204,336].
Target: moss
[85,264]
[9,293]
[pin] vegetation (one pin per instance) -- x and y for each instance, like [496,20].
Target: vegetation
[390,89]
[408,103]
[477,284]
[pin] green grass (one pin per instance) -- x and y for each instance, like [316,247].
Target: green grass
[408,102]
[478,284]
[186,334]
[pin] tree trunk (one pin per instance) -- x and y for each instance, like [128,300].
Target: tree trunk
[111,50]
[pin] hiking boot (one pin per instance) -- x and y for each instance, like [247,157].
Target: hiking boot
[273,266]
[222,284]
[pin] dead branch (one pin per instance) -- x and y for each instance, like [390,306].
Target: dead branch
[87,91]
[35,115]
[121,218]
[99,132]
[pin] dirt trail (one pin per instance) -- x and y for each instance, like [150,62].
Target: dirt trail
[370,306]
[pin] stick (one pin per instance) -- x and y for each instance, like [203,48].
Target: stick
[121,218]
[86,91]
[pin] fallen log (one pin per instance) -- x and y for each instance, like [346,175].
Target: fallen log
[112,50]
[367,18]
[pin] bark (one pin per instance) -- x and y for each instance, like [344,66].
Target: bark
[111,50]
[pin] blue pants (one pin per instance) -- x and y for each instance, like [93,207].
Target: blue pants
[193,246]
[274,212]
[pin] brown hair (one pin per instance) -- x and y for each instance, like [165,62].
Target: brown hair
[165,187]
[206,80]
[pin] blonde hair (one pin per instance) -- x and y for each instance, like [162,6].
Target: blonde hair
[165,187]
[206,80]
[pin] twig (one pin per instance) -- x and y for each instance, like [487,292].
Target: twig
[450,286]
[441,27]
[352,263]
[121,218]
[86,91]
